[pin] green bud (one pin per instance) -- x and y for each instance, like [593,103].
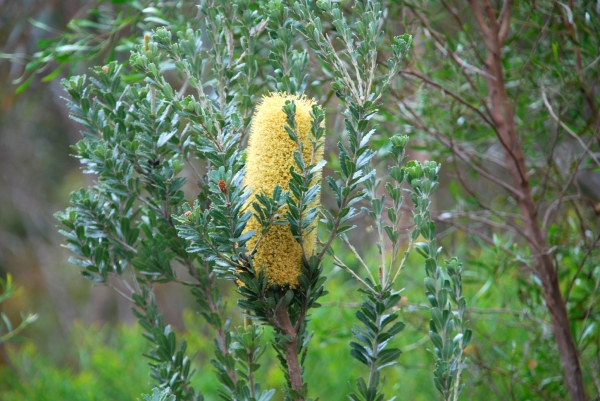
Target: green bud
[415,172]
[400,141]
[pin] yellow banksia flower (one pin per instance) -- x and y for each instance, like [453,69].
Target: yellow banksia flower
[270,155]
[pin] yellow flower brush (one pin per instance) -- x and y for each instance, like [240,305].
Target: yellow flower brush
[270,155]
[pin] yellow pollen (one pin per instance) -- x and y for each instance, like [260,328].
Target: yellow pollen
[270,155]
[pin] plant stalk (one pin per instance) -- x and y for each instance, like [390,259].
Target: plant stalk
[291,351]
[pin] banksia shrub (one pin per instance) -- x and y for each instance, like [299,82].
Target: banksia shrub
[270,156]
[254,220]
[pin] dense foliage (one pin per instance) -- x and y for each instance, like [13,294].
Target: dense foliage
[504,95]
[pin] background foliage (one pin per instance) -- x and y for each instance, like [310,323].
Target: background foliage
[551,73]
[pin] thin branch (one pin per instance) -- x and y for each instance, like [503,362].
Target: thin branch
[451,93]
[440,45]
[467,34]
[487,208]
[341,264]
[521,313]
[550,166]
[183,88]
[487,211]
[505,373]
[508,227]
[567,185]
[403,261]
[121,293]
[504,20]
[510,189]
[566,128]
[529,58]
[581,265]
[479,18]
[555,205]
[481,236]
[358,257]
[591,305]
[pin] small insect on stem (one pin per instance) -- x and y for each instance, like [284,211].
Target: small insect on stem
[222,187]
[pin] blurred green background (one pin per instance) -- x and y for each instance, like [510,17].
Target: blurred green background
[86,345]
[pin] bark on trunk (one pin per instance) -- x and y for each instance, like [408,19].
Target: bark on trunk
[495,32]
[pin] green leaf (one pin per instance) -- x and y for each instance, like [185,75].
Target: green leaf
[53,74]
[23,87]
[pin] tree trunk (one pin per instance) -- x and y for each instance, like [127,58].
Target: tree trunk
[495,32]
